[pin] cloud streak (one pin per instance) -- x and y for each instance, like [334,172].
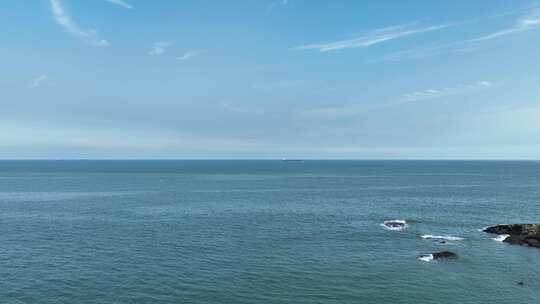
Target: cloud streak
[374,37]
[120,3]
[90,37]
[160,47]
[36,82]
[275,4]
[341,112]
[444,92]
[528,22]
[428,51]
[525,23]
[190,54]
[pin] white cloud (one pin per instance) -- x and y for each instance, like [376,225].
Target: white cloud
[275,4]
[340,112]
[120,3]
[63,19]
[443,92]
[525,23]
[37,81]
[190,54]
[374,37]
[160,47]
[428,51]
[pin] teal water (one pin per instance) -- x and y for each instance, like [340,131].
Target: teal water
[263,231]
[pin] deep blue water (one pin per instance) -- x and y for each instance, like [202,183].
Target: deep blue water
[263,231]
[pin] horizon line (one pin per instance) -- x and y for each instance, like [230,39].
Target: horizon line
[268,159]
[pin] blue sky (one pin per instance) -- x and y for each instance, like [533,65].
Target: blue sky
[263,79]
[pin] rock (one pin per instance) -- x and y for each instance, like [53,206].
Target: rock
[437,256]
[514,229]
[519,234]
[444,255]
[395,224]
[532,241]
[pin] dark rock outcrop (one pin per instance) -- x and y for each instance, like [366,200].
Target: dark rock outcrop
[437,256]
[444,255]
[518,234]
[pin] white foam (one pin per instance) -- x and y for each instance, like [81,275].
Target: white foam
[402,224]
[441,237]
[483,229]
[501,238]
[426,257]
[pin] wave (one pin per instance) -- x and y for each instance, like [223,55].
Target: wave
[426,257]
[395,225]
[441,237]
[483,229]
[501,238]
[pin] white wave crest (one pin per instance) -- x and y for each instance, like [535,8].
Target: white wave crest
[483,229]
[441,237]
[501,238]
[426,257]
[395,225]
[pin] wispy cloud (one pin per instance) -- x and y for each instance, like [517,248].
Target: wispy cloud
[525,23]
[160,47]
[37,81]
[340,112]
[444,92]
[530,21]
[428,51]
[190,54]
[63,19]
[121,3]
[275,4]
[374,37]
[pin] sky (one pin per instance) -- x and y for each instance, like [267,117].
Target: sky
[269,79]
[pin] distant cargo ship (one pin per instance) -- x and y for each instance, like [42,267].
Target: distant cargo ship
[291,160]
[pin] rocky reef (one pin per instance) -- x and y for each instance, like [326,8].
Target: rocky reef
[518,234]
[444,255]
[437,256]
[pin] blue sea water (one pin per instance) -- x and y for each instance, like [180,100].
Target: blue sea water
[263,231]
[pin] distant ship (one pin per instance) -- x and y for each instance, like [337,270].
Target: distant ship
[291,160]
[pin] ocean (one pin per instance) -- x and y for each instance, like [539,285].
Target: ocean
[264,231]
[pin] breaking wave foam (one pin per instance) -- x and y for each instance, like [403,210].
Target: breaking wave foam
[395,225]
[426,257]
[441,237]
[501,238]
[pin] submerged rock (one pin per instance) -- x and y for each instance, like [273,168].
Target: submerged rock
[438,256]
[395,224]
[444,255]
[518,234]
